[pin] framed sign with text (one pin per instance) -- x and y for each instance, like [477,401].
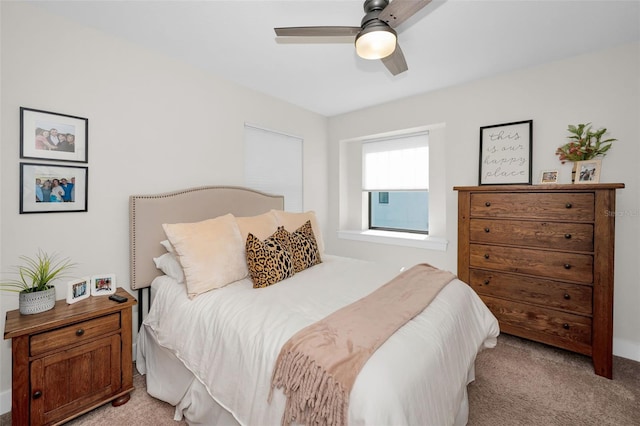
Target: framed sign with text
[505,153]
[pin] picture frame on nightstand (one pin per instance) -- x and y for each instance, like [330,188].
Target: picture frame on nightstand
[78,290]
[103,285]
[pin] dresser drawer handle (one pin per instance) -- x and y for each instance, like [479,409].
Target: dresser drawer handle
[488,203]
[567,296]
[79,332]
[565,326]
[567,266]
[568,205]
[486,282]
[487,230]
[567,236]
[486,255]
[37,394]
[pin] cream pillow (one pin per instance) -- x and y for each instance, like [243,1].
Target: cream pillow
[292,221]
[260,226]
[211,252]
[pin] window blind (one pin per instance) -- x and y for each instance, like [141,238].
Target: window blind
[273,164]
[396,164]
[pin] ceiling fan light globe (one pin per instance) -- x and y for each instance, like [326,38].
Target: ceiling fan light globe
[376,44]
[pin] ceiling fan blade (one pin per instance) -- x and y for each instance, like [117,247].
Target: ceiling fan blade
[317,31]
[395,62]
[399,11]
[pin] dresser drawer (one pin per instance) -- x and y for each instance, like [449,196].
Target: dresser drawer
[562,266]
[539,291]
[542,206]
[557,235]
[72,334]
[547,325]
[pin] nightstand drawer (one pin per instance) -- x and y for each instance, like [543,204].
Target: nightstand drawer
[539,291]
[76,333]
[557,235]
[558,265]
[541,206]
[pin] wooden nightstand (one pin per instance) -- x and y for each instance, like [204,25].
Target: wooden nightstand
[70,360]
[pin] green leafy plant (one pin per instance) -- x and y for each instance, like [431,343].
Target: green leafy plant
[37,272]
[584,144]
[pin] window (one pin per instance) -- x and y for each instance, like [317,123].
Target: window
[273,164]
[396,178]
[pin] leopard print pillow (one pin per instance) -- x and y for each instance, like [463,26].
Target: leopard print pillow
[269,261]
[304,247]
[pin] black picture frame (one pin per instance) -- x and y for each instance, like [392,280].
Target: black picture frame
[35,126]
[32,199]
[505,153]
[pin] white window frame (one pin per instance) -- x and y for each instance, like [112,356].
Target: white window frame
[353,203]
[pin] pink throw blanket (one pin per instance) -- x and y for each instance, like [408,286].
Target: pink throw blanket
[319,364]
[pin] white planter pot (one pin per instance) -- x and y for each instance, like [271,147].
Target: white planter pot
[36,302]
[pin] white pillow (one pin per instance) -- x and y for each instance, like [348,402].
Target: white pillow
[211,252]
[170,266]
[167,246]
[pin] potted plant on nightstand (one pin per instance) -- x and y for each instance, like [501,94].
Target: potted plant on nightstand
[34,281]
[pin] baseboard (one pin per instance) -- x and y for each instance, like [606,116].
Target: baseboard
[5,402]
[626,349]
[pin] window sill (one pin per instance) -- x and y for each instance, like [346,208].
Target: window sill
[405,239]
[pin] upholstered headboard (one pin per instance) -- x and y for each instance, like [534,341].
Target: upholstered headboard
[147,213]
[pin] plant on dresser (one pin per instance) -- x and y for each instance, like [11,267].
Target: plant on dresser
[542,260]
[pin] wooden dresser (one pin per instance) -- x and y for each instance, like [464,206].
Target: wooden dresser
[541,258]
[70,359]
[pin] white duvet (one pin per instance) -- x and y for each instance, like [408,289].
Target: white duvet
[230,338]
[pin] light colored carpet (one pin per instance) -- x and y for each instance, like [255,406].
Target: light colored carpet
[517,383]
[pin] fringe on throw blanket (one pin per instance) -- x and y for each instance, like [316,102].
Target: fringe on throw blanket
[317,367]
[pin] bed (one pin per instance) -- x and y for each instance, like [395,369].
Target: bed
[212,355]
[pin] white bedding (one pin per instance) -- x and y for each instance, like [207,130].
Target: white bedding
[230,338]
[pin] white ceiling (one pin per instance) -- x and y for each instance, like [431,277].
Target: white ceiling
[445,44]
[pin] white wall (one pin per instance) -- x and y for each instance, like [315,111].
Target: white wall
[603,88]
[154,125]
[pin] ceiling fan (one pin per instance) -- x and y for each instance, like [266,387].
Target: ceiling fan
[375,38]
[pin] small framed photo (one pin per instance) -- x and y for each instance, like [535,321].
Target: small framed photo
[78,289]
[52,136]
[549,176]
[103,285]
[48,188]
[588,171]
[505,153]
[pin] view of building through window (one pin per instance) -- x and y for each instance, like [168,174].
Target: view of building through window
[399,210]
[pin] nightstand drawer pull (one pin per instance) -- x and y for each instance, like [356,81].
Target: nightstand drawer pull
[486,255]
[486,282]
[565,326]
[487,230]
[37,394]
[567,236]
[488,204]
[567,296]
[568,205]
[567,266]
[79,332]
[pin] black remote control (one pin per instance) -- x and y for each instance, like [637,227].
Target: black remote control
[118,298]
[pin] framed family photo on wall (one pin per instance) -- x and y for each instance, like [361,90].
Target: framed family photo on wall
[505,153]
[46,188]
[52,136]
